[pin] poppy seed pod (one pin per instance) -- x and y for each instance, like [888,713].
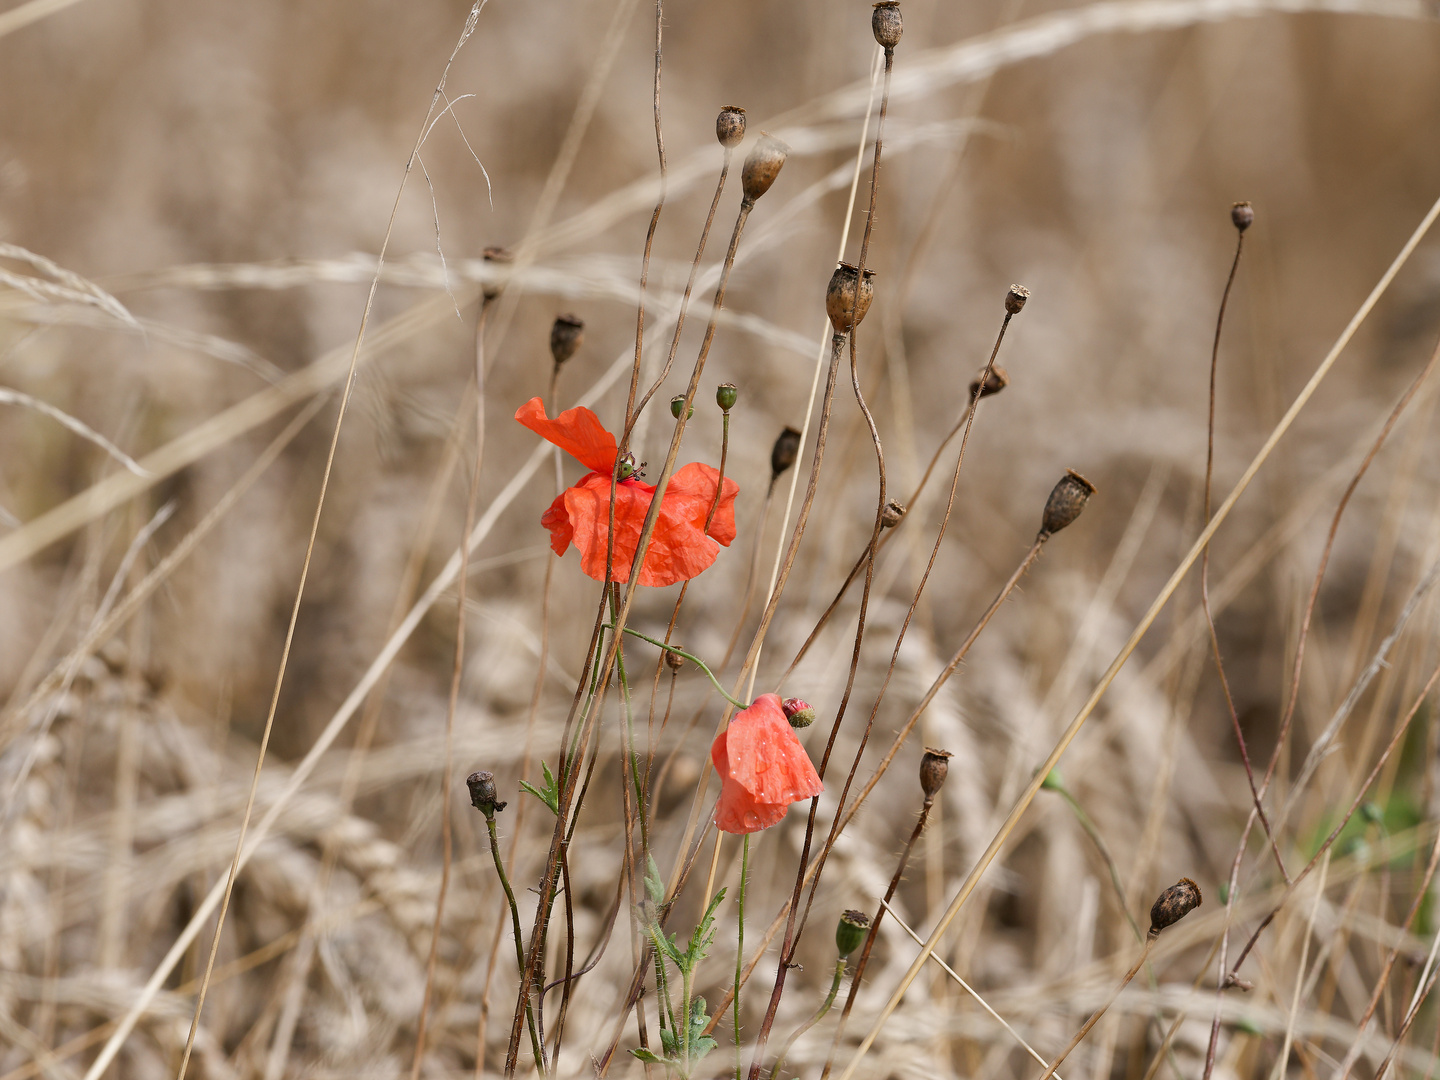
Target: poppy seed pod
[1242,215]
[730,126]
[934,767]
[626,466]
[483,795]
[566,336]
[676,404]
[491,289]
[1174,904]
[784,452]
[762,166]
[997,380]
[801,714]
[673,660]
[891,515]
[1067,499]
[840,296]
[850,931]
[726,395]
[1015,299]
[885,23]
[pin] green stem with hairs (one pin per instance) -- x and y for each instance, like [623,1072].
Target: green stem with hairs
[681,652]
[819,1015]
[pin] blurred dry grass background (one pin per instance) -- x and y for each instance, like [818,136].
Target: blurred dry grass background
[226,172]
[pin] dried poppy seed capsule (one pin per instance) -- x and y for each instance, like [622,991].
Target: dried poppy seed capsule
[801,714]
[1015,299]
[730,126]
[934,767]
[762,166]
[676,404]
[1242,215]
[885,23]
[565,337]
[784,452]
[726,395]
[891,515]
[1174,904]
[840,296]
[1067,499]
[850,931]
[673,660]
[483,795]
[997,380]
[491,289]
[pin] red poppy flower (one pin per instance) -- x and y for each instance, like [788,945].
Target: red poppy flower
[763,768]
[680,547]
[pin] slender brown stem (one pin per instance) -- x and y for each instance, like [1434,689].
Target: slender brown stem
[1098,1013]
[654,220]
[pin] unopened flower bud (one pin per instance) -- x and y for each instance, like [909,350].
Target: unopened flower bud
[1242,215]
[1067,499]
[491,289]
[840,297]
[801,714]
[1015,299]
[726,395]
[483,795]
[762,166]
[673,660]
[565,337]
[934,767]
[730,126]
[998,379]
[891,515]
[885,23]
[676,404]
[785,451]
[1174,904]
[850,931]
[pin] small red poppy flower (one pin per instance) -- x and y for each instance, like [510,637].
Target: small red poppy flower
[680,548]
[763,768]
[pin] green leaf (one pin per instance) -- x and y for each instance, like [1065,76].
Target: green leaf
[654,884]
[647,1057]
[549,794]
[667,1040]
[704,934]
[701,1046]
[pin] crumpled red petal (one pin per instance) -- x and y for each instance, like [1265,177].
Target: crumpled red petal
[763,768]
[577,431]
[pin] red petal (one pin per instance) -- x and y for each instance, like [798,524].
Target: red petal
[766,758]
[737,811]
[588,503]
[576,431]
[557,520]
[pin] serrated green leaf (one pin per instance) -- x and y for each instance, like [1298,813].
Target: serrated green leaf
[549,794]
[647,1057]
[654,883]
[667,1040]
[701,1046]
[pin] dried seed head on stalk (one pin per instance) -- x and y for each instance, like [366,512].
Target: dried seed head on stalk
[676,404]
[483,795]
[850,931]
[730,126]
[840,296]
[997,380]
[801,714]
[892,514]
[566,336]
[501,256]
[1174,904]
[673,660]
[726,395]
[784,452]
[885,23]
[762,166]
[1242,215]
[1067,499]
[934,767]
[1015,299]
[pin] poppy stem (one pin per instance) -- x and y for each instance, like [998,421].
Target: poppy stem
[519,934]
[693,659]
[740,946]
[808,1024]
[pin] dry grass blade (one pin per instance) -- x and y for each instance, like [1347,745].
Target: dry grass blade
[79,427]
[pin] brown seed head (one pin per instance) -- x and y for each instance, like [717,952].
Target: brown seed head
[891,515]
[1015,299]
[482,793]
[996,381]
[1242,215]
[566,336]
[785,451]
[934,767]
[730,126]
[673,660]
[1067,499]
[840,297]
[762,166]
[491,289]
[1174,904]
[885,23]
